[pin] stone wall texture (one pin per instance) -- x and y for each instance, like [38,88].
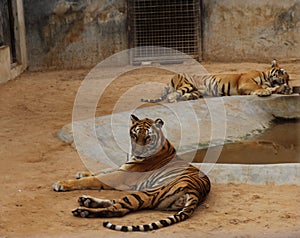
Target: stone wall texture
[81,33]
[257,30]
[74,34]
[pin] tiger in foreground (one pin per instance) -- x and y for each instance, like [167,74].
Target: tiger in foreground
[157,177]
[186,87]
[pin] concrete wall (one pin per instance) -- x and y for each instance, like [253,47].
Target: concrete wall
[259,30]
[20,39]
[74,34]
[10,70]
[4,64]
[81,33]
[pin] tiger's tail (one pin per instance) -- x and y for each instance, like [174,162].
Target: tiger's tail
[180,216]
[153,100]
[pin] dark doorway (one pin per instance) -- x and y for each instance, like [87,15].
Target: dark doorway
[7,36]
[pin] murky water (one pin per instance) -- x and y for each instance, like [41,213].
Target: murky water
[279,144]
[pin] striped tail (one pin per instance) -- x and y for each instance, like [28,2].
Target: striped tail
[178,217]
[153,100]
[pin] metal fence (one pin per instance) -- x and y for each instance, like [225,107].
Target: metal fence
[172,24]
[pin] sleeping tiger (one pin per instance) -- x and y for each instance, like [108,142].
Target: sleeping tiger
[158,178]
[187,87]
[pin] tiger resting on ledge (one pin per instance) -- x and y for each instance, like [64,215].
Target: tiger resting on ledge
[186,87]
[155,176]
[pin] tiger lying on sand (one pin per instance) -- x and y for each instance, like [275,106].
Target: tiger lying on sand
[187,87]
[155,175]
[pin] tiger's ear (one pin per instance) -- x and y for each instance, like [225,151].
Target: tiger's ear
[282,71]
[274,63]
[133,118]
[159,123]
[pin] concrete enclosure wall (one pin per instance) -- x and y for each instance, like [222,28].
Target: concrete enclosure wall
[259,30]
[4,64]
[73,34]
[81,33]
[13,64]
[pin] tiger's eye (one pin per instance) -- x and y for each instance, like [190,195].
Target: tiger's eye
[148,138]
[133,136]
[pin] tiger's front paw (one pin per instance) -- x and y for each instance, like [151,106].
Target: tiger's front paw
[61,186]
[263,92]
[284,89]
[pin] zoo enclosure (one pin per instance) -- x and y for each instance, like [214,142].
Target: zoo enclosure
[170,24]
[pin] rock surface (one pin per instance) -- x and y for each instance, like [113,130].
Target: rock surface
[253,174]
[188,125]
[251,30]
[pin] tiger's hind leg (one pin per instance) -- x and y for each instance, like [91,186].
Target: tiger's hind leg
[114,211]
[173,97]
[178,203]
[184,96]
[95,207]
[183,93]
[92,202]
[191,96]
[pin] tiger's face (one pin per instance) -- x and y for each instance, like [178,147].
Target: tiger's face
[146,137]
[277,75]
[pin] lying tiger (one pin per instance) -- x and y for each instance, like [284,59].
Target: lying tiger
[187,87]
[158,178]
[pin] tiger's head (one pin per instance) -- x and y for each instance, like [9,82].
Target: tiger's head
[146,136]
[277,75]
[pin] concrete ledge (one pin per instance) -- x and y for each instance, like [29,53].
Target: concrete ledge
[195,124]
[252,174]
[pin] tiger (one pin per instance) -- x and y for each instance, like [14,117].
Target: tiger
[187,87]
[154,176]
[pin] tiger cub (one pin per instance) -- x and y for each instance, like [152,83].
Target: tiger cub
[187,87]
[158,178]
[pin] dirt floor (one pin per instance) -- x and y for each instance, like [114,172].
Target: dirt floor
[37,104]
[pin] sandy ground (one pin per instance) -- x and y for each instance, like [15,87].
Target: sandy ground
[37,104]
